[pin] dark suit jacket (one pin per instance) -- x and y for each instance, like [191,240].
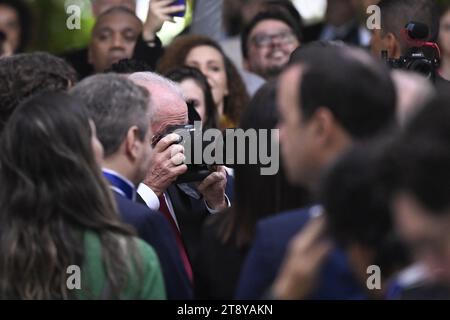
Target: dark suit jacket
[268,252]
[218,263]
[78,58]
[191,213]
[153,228]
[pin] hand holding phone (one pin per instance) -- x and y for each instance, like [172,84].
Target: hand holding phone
[160,11]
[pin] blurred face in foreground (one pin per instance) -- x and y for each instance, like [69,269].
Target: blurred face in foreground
[426,233]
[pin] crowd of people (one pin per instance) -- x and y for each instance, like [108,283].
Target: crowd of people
[93,175]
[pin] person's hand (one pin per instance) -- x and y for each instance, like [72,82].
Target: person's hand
[302,264]
[159,11]
[166,165]
[213,189]
[5,47]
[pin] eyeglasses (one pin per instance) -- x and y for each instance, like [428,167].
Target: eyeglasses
[262,40]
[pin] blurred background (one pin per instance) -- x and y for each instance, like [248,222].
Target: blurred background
[49,32]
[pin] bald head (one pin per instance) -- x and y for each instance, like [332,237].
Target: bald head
[101,6]
[169,105]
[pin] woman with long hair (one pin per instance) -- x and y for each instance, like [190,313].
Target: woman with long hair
[56,211]
[227,86]
[197,91]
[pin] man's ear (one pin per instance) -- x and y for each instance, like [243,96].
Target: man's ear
[133,144]
[323,125]
[392,44]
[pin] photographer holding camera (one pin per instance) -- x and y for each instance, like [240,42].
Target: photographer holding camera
[185,205]
[405,39]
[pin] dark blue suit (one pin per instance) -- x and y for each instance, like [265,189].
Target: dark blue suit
[268,252]
[154,229]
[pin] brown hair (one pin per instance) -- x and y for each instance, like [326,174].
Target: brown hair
[175,56]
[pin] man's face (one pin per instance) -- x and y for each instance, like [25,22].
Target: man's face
[145,154]
[10,25]
[270,45]
[113,39]
[296,134]
[100,6]
[426,234]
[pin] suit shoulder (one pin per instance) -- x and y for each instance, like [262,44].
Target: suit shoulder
[136,212]
[285,220]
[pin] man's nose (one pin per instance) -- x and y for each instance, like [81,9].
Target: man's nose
[118,41]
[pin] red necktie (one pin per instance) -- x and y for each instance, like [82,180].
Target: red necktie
[164,209]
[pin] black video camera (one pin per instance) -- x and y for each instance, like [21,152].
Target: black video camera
[188,137]
[422,56]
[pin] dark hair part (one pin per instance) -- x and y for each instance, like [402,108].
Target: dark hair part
[185,73]
[269,15]
[395,14]
[129,66]
[358,210]
[53,194]
[24,75]
[25,21]
[249,206]
[115,104]
[175,56]
[357,90]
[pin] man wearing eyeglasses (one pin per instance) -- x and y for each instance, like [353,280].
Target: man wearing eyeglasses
[268,41]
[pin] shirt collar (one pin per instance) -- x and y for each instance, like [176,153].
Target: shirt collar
[120,184]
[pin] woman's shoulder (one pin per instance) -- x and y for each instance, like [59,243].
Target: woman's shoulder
[146,284]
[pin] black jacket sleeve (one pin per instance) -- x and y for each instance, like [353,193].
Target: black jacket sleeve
[149,53]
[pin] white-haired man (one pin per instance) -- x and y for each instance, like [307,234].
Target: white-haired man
[185,205]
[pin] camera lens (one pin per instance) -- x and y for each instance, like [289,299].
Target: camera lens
[422,66]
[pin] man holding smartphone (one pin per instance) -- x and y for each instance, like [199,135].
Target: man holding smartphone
[147,48]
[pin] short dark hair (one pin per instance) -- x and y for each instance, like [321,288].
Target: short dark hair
[115,104]
[395,14]
[269,15]
[129,66]
[419,162]
[27,74]
[25,21]
[304,53]
[356,88]
[358,210]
